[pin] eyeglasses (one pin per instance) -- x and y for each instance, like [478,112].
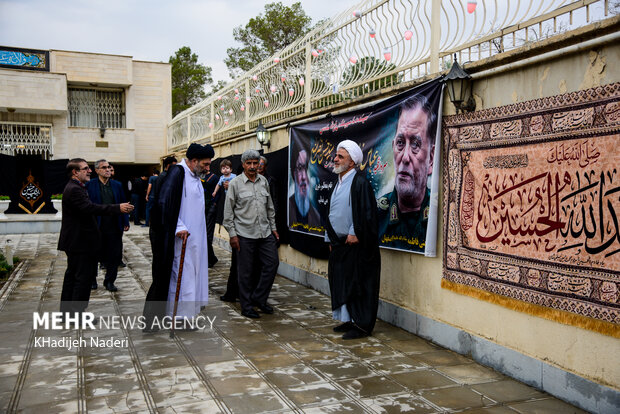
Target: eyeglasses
[84,169]
[107,167]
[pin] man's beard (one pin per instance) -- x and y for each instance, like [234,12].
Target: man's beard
[411,188]
[302,202]
[339,169]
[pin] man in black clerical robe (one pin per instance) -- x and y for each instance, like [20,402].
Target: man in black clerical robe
[352,231]
[162,233]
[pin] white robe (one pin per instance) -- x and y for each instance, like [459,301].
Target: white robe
[195,278]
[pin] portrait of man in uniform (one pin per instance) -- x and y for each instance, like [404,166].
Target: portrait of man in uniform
[403,213]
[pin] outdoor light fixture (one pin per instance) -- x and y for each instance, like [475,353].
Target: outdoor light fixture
[262,135]
[459,85]
[102,131]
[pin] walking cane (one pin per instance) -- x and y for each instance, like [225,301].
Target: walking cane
[176,296]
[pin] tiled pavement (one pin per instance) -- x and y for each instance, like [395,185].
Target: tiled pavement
[287,362]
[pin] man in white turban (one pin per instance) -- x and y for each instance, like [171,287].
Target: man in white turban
[354,259]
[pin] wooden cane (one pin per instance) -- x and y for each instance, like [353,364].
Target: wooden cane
[176,296]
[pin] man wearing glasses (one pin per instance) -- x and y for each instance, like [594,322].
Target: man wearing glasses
[104,190]
[403,213]
[79,236]
[303,215]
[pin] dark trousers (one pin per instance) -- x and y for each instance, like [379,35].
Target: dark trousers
[157,296]
[232,287]
[149,205]
[111,254]
[211,213]
[79,276]
[266,252]
[135,200]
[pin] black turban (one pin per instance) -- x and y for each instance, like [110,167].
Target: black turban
[199,152]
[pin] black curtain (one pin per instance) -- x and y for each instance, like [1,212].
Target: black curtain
[26,173]
[8,183]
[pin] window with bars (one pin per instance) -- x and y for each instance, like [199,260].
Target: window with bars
[96,108]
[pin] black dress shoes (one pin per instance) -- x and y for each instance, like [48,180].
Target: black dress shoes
[225,298]
[250,314]
[268,309]
[345,327]
[110,287]
[94,286]
[354,334]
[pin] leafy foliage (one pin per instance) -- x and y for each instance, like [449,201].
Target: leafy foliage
[189,79]
[265,34]
[219,85]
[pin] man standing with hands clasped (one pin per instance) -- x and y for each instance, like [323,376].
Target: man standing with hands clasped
[354,260]
[104,190]
[249,218]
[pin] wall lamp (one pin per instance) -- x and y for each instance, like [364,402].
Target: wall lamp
[460,86]
[262,135]
[102,131]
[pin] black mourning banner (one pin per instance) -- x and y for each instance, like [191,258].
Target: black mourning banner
[30,182]
[400,146]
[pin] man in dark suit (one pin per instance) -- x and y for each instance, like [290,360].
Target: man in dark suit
[104,190]
[79,236]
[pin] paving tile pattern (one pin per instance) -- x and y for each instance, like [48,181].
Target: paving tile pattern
[290,361]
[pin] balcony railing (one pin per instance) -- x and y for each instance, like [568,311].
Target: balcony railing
[377,44]
[25,138]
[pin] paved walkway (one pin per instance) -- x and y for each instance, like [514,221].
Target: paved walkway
[287,362]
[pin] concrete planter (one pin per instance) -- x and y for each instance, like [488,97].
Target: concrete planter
[4,204]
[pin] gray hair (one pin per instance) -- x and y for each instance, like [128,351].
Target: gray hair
[98,162]
[250,155]
[263,159]
[421,101]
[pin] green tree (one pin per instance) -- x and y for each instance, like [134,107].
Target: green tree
[265,34]
[189,79]
[219,85]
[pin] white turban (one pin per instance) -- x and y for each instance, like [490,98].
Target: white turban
[353,149]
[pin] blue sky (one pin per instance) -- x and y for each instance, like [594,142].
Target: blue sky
[147,30]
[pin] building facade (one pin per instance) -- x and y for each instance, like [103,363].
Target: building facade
[63,104]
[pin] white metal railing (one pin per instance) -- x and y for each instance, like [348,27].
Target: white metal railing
[25,138]
[377,44]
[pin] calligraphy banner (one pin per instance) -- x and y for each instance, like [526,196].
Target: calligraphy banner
[531,201]
[398,137]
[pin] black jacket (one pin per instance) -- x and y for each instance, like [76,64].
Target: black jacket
[79,232]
